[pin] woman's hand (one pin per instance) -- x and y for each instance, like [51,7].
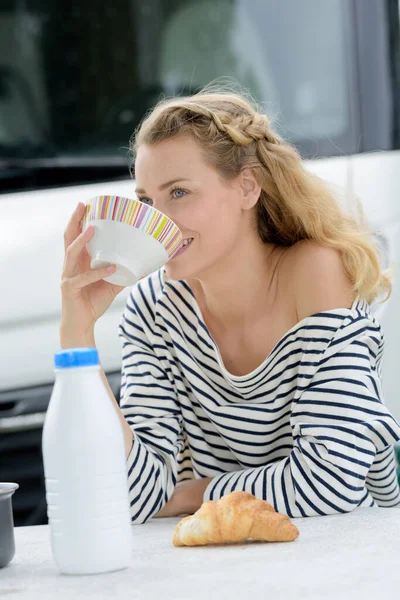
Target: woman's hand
[186,499]
[85,295]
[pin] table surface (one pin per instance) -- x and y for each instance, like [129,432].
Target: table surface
[355,555]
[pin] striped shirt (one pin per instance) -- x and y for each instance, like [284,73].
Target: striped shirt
[307,430]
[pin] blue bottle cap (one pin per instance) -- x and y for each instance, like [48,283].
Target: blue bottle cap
[76,357]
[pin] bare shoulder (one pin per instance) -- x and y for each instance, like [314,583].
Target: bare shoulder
[317,279]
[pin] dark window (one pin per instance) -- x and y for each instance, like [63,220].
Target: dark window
[76,78]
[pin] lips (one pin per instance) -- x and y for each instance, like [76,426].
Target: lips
[187,240]
[184,246]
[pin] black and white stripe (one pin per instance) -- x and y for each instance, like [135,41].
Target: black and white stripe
[308,430]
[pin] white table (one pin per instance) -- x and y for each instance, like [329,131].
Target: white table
[352,556]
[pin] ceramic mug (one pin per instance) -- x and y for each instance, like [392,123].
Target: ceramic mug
[7,541]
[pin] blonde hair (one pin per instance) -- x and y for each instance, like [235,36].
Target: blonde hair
[294,204]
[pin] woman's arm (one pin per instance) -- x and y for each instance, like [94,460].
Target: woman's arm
[150,408]
[186,499]
[128,435]
[340,429]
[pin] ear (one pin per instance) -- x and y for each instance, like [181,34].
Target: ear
[249,187]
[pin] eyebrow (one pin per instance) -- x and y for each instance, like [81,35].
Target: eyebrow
[164,185]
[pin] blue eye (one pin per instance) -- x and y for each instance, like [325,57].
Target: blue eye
[177,193]
[182,193]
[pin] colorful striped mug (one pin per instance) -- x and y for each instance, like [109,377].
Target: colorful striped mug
[137,238]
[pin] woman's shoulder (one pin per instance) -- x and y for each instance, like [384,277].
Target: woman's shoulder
[150,288]
[317,279]
[325,303]
[141,303]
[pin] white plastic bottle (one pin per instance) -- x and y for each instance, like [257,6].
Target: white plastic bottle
[85,470]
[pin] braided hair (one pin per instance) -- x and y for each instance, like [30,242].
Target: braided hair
[294,204]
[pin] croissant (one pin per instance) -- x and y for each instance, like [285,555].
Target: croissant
[234,518]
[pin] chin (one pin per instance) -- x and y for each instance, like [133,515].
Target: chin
[193,267]
[177,270]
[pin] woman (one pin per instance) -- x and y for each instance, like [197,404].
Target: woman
[251,361]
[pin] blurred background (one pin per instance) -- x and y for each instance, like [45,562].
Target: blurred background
[75,80]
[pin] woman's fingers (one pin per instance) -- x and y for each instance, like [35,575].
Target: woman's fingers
[74,250]
[75,241]
[83,279]
[73,228]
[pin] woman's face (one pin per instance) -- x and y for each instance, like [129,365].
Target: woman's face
[173,177]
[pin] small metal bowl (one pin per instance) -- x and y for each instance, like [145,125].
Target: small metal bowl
[7,541]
